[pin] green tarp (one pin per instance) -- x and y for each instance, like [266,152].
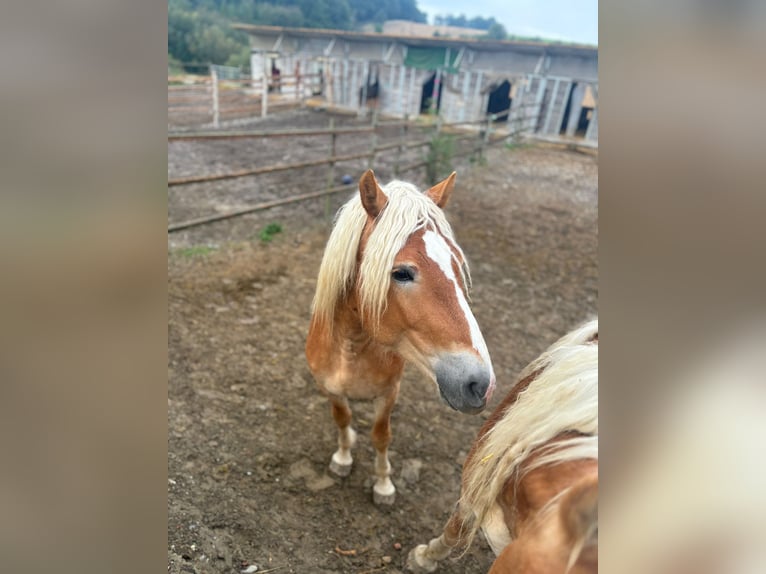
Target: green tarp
[431,58]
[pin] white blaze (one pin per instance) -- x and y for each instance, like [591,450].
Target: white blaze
[438,250]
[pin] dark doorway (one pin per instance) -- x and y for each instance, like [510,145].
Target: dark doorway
[586,114]
[427,94]
[567,109]
[276,77]
[500,101]
[373,87]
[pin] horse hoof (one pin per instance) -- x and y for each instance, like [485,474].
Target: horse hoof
[417,563]
[384,498]
[341,470]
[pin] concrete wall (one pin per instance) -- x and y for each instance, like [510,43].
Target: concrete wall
[574,67]
[509,62]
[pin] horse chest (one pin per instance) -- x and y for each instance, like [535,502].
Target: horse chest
[495,530]
[362,372]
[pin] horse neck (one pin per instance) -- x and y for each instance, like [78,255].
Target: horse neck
[348,325]
[554,511]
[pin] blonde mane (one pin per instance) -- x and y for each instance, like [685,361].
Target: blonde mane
[406,211]
[563,397]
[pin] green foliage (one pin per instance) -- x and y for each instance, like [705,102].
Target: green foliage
[268,232]
[240,59]
[202,37]
[535,39]
[496,32]
[515,146]
[199,31]
[175,67]
[289,16]
[462,22]
[195,251]
[439,158]
[381,10]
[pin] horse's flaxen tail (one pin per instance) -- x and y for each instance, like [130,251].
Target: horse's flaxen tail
[579,515]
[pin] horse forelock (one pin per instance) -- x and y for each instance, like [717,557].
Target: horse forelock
[407,211]
[562,397]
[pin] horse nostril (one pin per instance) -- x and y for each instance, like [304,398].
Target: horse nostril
[477,389]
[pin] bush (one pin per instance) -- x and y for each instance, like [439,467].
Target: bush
[439,158]
[268,232]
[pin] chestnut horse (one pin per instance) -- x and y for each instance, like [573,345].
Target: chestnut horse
[393,286]
[530,481]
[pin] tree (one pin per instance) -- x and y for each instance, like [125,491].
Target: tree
[202,37]
[496,32]
[200,32]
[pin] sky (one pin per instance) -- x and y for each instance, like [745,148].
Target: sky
[571,20]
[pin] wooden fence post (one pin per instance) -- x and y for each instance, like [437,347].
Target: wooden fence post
[485,137]
[264,95]
[298,80]
[331,168]
[402,142]
[214,76]
[374,138]
[434,108]
[363,97]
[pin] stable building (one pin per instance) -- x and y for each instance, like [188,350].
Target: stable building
[547,89]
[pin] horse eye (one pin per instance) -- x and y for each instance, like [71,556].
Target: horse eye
[403,275]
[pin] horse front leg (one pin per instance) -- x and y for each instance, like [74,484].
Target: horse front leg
[383,491]
[341,460]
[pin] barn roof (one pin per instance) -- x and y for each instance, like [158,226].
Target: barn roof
[472,43]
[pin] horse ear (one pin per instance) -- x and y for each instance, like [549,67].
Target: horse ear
[440,193]
[373,198]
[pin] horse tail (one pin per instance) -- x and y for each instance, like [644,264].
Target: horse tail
[578,512]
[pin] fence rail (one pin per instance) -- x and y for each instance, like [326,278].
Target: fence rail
[219,98]
[482,138]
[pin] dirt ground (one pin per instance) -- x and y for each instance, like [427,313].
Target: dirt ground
[250,437]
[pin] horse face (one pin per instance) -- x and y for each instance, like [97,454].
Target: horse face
[430,323]
[427,318]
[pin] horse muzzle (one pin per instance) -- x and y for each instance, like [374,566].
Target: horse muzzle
[464,381]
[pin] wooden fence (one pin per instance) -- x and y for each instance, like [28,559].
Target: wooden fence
[485,136]
[210,101]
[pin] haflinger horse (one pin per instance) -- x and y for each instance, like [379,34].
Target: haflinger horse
[530,481]
[393,286]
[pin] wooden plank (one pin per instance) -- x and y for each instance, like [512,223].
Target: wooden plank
[551,105]
[261,170]
[592,126]
[215,98]
[257,207]
[476,93]
[410,93]
[344,83]
[464,94]
[401,108]
[543,82]
[268,134]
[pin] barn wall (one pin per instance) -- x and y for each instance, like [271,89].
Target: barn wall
[463,99]
[509,62]
[541,80]
[574,67]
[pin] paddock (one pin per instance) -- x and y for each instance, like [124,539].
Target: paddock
[249,436]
